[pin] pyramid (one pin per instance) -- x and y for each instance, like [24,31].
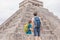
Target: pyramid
[12,28]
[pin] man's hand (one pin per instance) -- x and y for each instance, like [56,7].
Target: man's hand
[31,29]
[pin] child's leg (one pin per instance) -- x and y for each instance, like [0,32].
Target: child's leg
[28,38]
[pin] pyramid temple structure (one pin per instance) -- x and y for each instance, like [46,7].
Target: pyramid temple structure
[12,28]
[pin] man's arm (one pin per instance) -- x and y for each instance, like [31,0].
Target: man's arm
[32,23]
[41,25]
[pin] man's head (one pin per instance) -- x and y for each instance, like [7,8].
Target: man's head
[35,14]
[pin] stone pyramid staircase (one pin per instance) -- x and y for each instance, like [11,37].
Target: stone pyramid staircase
[12,28]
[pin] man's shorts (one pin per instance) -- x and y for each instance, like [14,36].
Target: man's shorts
[36,31]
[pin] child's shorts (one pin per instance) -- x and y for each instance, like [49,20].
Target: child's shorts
[36,31]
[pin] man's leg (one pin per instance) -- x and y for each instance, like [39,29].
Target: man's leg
[39,38]
[36,37]
[35,34]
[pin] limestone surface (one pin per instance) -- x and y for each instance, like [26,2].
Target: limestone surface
[12,28]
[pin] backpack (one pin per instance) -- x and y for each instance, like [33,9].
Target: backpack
[37,22]
[26,28]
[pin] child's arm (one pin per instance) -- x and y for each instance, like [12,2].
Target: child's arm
[31,28]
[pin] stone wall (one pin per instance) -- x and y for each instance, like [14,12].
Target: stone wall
[13,28]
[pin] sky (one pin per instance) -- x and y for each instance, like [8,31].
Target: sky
[9,7]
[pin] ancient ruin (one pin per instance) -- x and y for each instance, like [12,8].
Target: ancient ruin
[12,28]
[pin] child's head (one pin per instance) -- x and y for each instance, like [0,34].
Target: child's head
[29,21]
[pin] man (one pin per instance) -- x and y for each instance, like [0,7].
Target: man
[36,26]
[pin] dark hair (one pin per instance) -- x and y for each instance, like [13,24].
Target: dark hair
[35,14]
[29,21]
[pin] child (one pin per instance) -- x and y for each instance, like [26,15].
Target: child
[29,27]
[29,32]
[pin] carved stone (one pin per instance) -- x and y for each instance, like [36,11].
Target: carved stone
[12,28]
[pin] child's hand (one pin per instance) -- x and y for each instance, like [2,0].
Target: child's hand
[31,29]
